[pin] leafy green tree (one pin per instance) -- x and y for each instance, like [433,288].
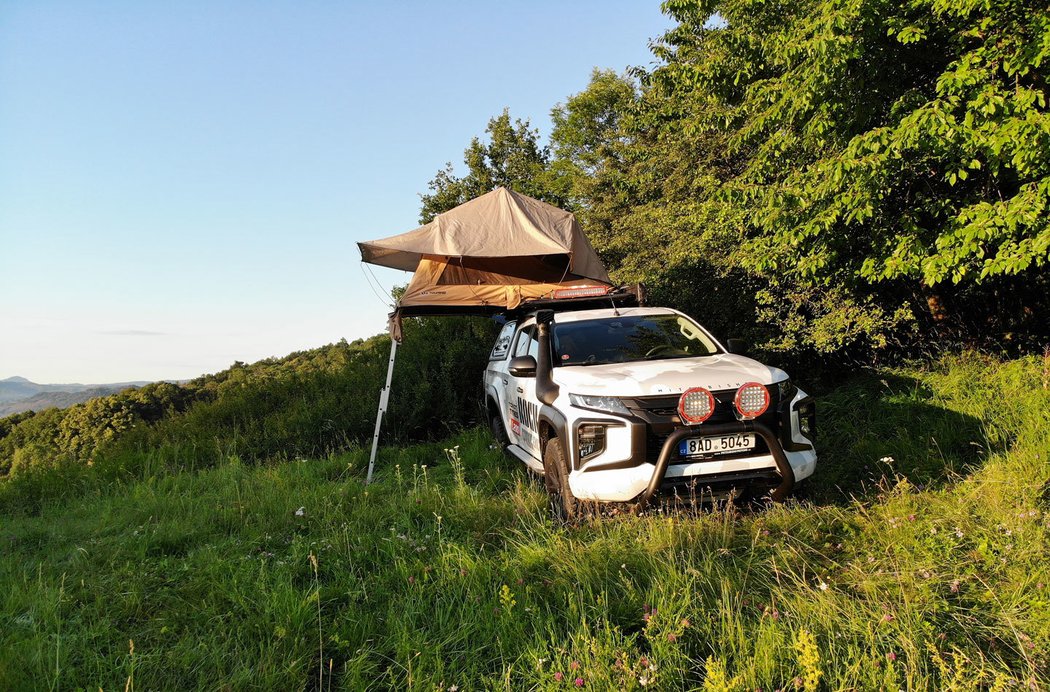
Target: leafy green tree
[510,157]
[882,155]
[862,172]
[8,423]
[642,188]
[591,157]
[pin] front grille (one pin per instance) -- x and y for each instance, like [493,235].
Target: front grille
[660,414]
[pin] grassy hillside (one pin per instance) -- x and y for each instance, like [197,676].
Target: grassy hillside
[447,572]
[309,403]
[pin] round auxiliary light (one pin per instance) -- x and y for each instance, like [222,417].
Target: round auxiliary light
[696,405]
[752,400]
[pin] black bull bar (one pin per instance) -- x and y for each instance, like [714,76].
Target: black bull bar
[775,448]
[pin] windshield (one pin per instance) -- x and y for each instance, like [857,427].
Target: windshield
[629,338]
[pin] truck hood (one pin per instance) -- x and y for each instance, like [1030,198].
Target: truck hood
[654,377]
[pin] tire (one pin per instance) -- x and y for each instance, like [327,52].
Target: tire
[497,429]
[556,480]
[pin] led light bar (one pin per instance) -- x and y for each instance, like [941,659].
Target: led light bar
[580,292]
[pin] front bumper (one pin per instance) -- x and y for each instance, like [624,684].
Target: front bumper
[773,466]
[783,467]
[643,460]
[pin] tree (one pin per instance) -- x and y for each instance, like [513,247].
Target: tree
[861,166]
[846,175]
[590,157]
[512,157]
[641,188]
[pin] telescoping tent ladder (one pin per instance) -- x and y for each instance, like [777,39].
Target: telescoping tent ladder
[384,399]
[484,257]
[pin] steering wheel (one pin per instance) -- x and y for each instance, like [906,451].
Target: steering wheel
[658,349]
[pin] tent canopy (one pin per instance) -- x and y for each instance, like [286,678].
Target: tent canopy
[487,256]
[498,224]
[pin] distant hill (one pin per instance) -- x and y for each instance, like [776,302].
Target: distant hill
[17,394]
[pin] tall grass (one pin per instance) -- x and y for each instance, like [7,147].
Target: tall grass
[926,570]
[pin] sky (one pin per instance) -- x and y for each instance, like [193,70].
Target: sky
[182,184]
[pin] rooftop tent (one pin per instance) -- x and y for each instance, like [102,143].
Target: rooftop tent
[485,256]
[473,285]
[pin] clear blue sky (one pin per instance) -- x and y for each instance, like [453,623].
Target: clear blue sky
[182,184]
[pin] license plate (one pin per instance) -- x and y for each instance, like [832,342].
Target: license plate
[722,444]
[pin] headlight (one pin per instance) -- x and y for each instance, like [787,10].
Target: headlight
[608,404]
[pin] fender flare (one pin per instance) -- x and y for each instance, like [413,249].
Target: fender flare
[492,398]
[556,420]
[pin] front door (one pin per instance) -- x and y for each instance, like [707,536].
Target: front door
[523,407]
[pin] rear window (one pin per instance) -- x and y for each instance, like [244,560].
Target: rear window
[503,341]
[629,338]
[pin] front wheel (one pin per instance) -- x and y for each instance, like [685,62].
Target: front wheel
[556,481]
[498,431]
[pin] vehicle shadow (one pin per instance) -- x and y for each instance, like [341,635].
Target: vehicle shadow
[872,432]
[874,429]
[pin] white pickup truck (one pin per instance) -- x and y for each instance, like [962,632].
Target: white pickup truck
[616,405]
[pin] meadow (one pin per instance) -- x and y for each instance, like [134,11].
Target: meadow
[835,182]
[916,558]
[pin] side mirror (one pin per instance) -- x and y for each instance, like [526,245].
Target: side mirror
[737,346]
[523,366]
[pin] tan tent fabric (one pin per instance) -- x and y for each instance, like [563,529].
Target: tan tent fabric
[451,283]
[499,224]
[486,256]
[471,286]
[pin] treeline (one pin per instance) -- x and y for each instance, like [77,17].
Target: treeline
[826,178]
[309,403]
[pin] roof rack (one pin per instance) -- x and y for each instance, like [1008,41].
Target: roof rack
[619,296]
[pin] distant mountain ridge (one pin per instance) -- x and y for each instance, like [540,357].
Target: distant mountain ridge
[18,394]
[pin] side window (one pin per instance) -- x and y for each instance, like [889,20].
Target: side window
[521,345]
[503,341]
